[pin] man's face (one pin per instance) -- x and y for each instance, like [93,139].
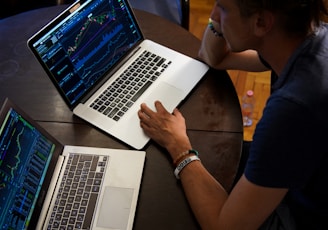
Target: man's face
[237,30]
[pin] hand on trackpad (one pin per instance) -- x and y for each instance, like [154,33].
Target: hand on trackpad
[115,208]
[167,94]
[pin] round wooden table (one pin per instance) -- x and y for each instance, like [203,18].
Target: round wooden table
[212,114]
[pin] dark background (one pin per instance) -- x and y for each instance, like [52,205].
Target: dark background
[12,7]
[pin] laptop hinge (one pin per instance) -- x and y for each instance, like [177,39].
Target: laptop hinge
[50,192]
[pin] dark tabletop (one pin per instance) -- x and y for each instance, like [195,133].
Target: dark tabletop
[212,114]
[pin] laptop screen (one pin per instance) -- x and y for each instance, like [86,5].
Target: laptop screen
[81,48]
[25,155]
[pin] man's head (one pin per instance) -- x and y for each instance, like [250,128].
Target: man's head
[296,17]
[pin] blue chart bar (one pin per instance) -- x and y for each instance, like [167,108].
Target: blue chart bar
[22,168]
[106,39]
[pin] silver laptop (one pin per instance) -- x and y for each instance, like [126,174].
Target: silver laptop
[44,185]
[95,54]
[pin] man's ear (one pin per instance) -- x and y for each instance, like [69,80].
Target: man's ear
[264,22]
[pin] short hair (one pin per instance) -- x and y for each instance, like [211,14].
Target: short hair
[295,16]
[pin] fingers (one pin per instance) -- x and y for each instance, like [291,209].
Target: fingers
[146,114]
[145,110]
[177,113]
[149,112]
[149,118]
[215,14]
[159,107]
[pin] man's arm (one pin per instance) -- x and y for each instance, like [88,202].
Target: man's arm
[216,53]
[246,207]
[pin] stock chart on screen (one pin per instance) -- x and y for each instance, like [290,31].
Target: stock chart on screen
[85,46]
[24,158]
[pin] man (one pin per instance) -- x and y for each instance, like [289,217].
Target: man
[284,185]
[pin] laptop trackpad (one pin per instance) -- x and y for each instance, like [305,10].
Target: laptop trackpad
[115,208]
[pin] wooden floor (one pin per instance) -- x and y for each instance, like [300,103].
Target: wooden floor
[243,81]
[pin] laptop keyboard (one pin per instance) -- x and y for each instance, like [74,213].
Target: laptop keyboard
[78,192]
[116,100]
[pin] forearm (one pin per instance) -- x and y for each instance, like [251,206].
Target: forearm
[213,48]
[205,195]
[215,52]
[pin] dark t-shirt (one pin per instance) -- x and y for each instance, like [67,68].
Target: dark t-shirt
[290,144]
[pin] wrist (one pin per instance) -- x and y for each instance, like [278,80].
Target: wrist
[184,163]
[212,26]
[183,155]
[176,148]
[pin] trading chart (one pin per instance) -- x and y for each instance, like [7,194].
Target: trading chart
[24,157]
[87,45]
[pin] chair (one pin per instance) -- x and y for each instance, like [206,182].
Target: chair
[176,11]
